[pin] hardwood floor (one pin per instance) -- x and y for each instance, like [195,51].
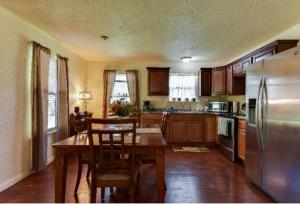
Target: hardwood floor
[190,177]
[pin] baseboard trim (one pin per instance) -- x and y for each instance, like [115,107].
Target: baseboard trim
[13,181]
[10,182]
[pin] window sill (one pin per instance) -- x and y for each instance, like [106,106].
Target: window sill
[51,131]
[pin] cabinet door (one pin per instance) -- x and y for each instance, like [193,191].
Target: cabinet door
[241,140]
[237,69]
[178,131]
[241,144]
[219,81]
[245,63]
[210,128]
[204,81]
[158,81]
[229,80]
[151,125]
[195,131]
[263,54]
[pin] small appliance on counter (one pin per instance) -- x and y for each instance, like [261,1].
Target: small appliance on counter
[147,106]
[243,109]
[224,107]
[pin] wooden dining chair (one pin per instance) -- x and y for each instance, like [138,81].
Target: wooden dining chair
[120,169]
[79,126]
[149,158]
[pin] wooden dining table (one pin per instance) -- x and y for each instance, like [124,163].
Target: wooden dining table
[150,142]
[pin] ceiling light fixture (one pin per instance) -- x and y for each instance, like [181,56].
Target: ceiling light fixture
[186,59]
[104,37]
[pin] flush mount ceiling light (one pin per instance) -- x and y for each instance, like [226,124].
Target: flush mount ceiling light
[104,37]
[186,59]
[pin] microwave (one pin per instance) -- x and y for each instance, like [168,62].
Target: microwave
[222,107]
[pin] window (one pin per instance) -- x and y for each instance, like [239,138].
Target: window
[182,86]
[120,89]
[52,90]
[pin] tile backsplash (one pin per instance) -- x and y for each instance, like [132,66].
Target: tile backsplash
[163,102]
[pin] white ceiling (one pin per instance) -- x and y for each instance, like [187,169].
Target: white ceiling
[159,30]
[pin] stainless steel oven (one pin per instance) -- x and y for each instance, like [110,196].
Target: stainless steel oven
[227,136]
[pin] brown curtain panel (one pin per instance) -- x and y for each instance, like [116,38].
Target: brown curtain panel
[62,98]
[40,72]
[133,88]
[108,84]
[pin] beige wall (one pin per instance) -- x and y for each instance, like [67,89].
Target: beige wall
[95,83]
[15,75]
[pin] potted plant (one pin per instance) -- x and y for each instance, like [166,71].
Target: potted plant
[121,108]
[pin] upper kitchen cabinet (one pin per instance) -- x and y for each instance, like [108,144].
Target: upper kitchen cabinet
[158,81]
[245,63]
[273,48]
[229,80]
[240,67]
[219,81]
[204,81]
[237,69]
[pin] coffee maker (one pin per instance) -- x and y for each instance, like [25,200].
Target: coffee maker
[146,105]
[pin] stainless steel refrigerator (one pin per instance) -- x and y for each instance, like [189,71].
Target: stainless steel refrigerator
[273,125]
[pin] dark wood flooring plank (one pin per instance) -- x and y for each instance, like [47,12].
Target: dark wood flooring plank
[190,177]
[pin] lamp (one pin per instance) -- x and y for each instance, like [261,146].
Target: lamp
[85,96]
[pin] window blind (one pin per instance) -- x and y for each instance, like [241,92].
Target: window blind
[52,91]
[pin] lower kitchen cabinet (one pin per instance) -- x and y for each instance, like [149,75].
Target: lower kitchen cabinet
[192,128]
[195,131]
[177,131]
[241,139]
[151,120]
[185,128]
[210,127]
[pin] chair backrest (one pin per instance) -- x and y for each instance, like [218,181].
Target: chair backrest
[77,122]
[163,124]
[110,152]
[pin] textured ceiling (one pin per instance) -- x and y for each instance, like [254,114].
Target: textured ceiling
[208,30]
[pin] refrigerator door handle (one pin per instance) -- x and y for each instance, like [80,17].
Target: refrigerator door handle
[264,101]
[258,112]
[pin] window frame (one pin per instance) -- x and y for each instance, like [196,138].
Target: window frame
[120,81]
[53,129]
[170,98]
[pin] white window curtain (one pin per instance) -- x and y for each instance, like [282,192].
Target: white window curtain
[182,86]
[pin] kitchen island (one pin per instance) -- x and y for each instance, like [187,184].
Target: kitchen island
[185,127]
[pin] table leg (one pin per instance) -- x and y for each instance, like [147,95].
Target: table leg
[61,163]
[160,174]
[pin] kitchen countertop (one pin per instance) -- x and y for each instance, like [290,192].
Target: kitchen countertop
[159,111]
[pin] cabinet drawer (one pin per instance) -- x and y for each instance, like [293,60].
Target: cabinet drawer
[152,117]
[187,117]
[150,125]
[242,124]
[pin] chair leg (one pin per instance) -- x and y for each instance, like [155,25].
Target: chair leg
[102,193]
[137,187]
[165,186]
[133,193]
[79,172]
[88,171]
[111,190]
[93,192]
